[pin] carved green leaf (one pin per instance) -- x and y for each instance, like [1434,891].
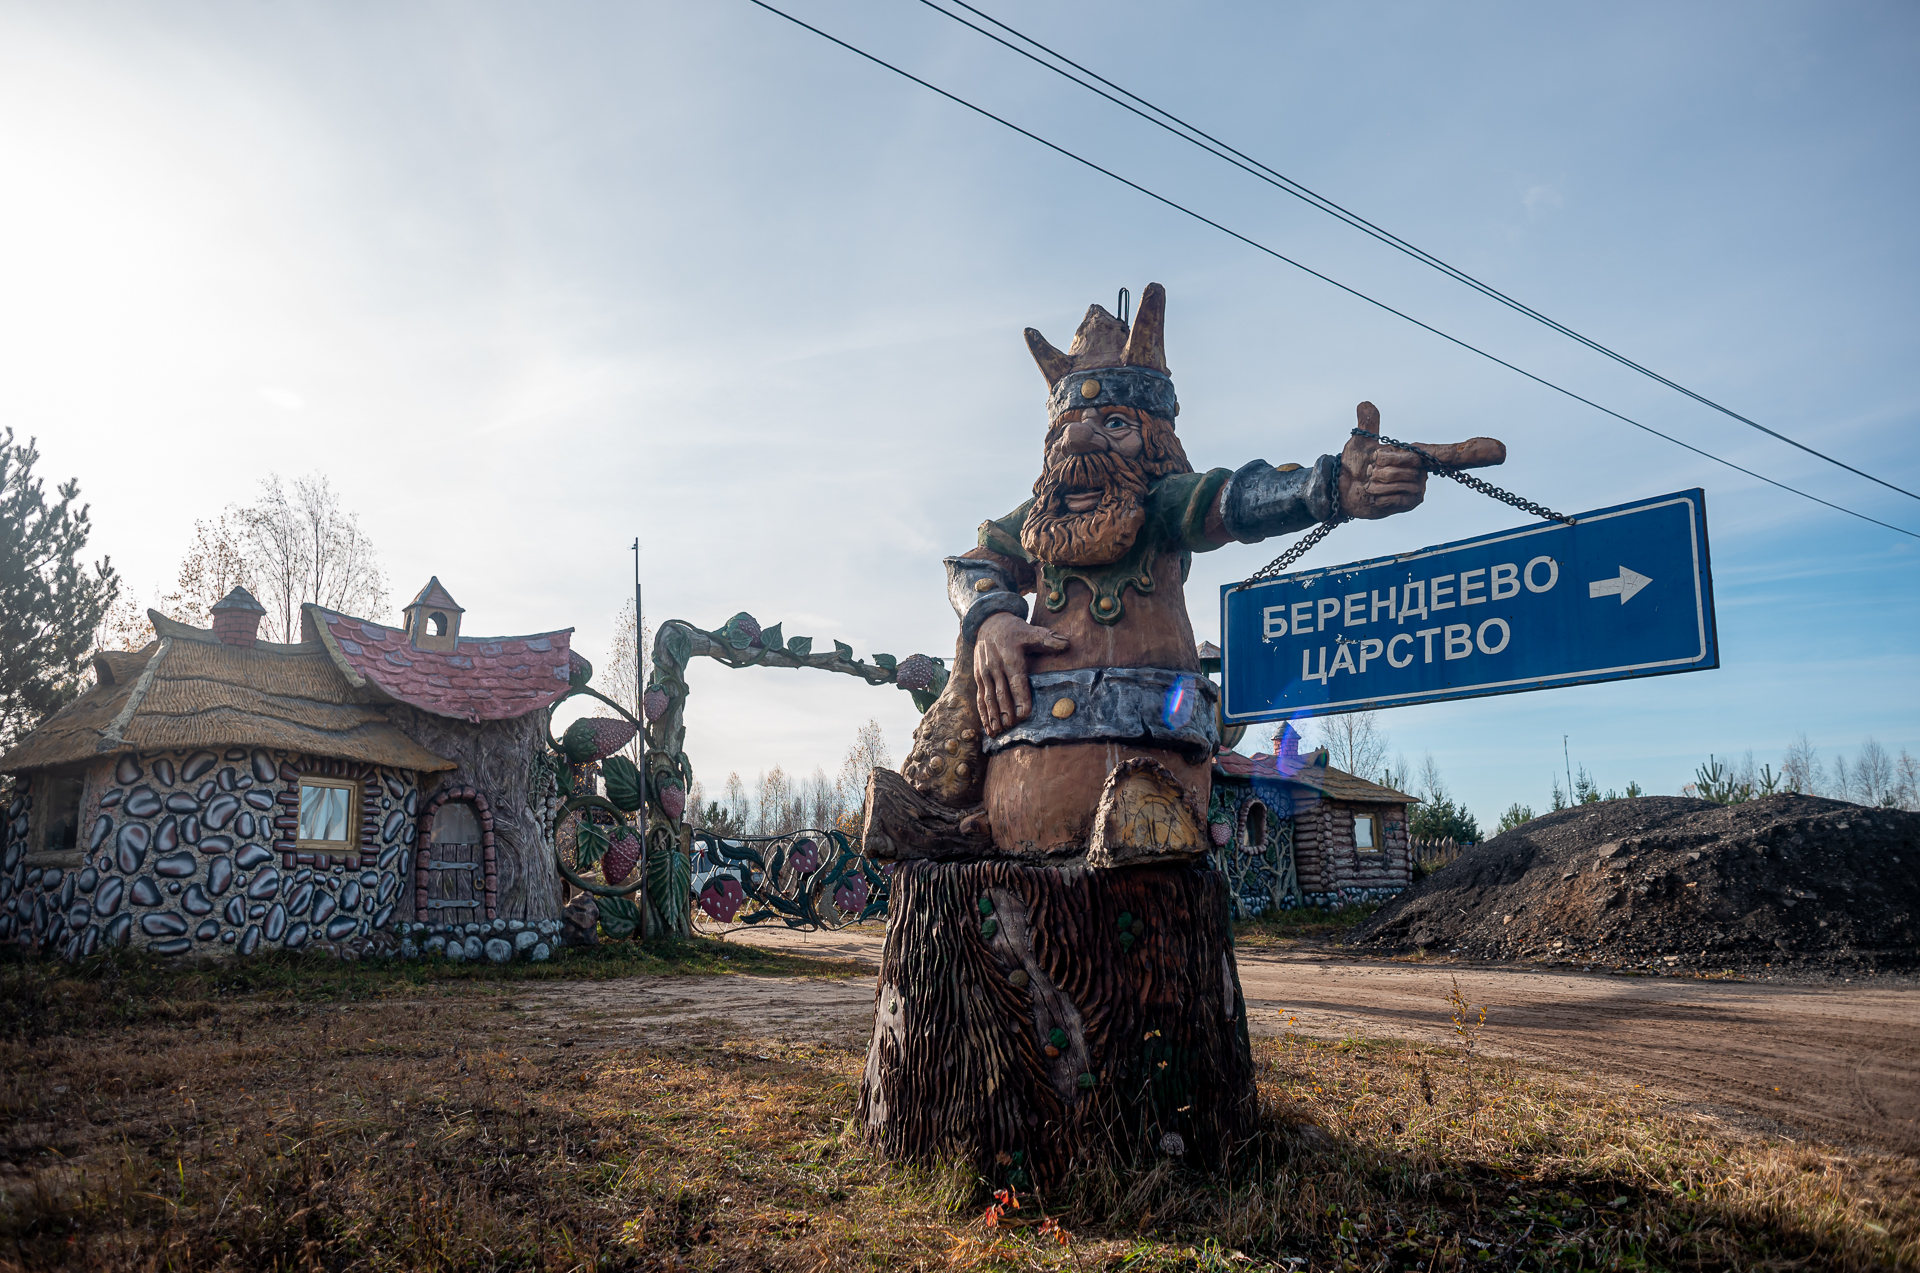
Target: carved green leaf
[624,787]
[844,650]
[771,638]
[589,845]
[799,647]
[618,917]
[740,630]
[887,661]
[669,883]
[677,643]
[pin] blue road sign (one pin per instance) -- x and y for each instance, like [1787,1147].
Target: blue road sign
[1625,591]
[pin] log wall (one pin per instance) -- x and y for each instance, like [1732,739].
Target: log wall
[1327,860]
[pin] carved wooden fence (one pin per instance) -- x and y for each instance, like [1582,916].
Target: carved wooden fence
[1431,855]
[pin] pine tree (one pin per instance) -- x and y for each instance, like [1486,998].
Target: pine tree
[49,606]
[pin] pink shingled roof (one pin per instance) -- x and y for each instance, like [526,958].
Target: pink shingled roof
[484,678]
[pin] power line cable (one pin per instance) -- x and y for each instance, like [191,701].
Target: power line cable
[1280,256]
[1195,136]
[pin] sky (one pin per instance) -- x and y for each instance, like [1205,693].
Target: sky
[530,282]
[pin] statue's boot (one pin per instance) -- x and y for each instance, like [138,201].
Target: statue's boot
[1144,816]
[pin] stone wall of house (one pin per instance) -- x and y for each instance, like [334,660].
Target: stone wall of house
[195,851]
[1260,877]
[1332,871]
[16,900]
[495,758]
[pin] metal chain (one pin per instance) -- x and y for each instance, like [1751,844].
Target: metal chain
[1306,542]
[1469,481]
[1302,544]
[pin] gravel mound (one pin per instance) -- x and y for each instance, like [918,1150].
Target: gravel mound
[1797,882]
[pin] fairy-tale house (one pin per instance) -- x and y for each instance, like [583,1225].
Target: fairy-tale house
[352,792]
[1294,831]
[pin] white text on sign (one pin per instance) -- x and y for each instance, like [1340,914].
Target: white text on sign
[1415,600]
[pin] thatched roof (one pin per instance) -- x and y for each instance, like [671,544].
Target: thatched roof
[188,689]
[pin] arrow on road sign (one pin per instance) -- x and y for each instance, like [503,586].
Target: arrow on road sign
[1628,583]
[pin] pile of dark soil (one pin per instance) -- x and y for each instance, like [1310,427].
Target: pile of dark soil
[1796,882]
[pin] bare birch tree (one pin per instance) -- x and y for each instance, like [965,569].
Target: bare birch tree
[623,678]
[773,803]
[1873,778]
[1354,742]
[734,802]
[302,546]
[215,563]
[869,752]
[1802,771]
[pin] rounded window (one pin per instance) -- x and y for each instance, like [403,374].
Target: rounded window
[1256,838]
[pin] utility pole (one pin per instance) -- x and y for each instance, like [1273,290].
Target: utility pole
[640,711]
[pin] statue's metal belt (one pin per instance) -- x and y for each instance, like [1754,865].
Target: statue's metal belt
[1146,706]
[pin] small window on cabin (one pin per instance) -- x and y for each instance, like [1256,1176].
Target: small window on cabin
[60,825]
[438,622]
[326,813]
[1366,833]
[1256,827]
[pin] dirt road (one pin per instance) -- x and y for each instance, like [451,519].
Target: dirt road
[1842,1063]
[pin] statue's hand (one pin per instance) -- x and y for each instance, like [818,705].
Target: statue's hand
[1000,669]
[1379,481]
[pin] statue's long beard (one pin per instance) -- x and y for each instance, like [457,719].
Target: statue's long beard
[1057,536]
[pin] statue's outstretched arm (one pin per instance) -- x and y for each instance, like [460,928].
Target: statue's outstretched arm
[1372,481]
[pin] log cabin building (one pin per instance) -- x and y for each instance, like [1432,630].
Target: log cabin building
[356,791]
[1291,830]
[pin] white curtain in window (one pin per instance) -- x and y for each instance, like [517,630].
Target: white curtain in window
[323,813]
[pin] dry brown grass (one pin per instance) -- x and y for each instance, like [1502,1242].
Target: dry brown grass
[450,1129]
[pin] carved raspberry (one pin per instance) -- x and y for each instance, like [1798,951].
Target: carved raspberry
[654,704]
[915,672]
[674,801]
[622,855]
[1221,833]
[595,738]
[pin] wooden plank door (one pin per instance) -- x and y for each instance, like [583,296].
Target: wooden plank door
[456,866]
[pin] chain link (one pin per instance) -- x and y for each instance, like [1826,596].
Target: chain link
[1306,542]
[1469,481]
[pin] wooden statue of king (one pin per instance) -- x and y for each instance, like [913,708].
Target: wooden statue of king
[1058,983]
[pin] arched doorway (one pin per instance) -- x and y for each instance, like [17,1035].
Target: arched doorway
[454,874]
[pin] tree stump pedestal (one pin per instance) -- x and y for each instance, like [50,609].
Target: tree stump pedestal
[1035,1020]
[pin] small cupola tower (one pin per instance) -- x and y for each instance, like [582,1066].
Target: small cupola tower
[433,619]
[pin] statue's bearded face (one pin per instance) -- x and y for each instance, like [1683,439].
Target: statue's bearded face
[1089,502]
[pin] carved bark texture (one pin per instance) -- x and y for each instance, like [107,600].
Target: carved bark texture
[902,824]
[1034,1019]
[495,758]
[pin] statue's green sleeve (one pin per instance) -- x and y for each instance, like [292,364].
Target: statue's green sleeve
[1002,535]
[1179,505]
